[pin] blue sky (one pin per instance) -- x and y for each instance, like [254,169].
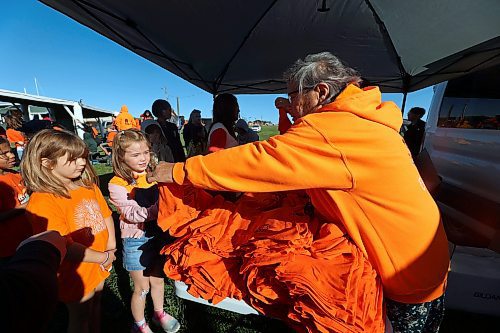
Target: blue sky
[73,62]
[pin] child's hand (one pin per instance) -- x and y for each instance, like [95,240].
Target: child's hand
[107,264]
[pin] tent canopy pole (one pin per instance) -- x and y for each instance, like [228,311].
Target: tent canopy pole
[404,103]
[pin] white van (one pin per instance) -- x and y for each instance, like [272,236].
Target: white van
[463,141]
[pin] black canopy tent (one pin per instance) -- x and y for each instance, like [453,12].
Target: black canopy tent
[241,46]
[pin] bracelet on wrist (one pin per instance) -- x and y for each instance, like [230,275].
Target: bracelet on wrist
[105,260]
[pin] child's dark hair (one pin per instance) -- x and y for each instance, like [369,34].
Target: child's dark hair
[223,111]
[158,105]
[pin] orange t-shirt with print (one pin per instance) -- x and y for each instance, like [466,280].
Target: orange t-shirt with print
[81,219]
[16,229]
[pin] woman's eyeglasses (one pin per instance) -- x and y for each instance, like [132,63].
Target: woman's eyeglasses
[293,94]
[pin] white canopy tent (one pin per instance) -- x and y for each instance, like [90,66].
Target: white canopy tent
[78,112]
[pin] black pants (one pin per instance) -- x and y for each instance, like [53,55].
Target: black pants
[415,318]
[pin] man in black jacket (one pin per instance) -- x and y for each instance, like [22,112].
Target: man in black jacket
[162,110]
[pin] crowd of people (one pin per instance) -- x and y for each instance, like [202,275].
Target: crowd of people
[330,228]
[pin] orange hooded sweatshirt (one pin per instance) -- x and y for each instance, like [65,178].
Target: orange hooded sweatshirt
[124,120]
[351,160]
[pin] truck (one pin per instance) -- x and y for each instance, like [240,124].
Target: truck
[463,141]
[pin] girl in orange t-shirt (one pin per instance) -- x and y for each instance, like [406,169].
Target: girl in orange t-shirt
[66,198]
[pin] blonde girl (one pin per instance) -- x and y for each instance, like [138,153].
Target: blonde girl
[65,197]
[137,201]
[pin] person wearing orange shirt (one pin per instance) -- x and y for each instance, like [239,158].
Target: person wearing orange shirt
[124,120]
[65,198]
[345,151]
[13,199]
[111,135]
[15,137]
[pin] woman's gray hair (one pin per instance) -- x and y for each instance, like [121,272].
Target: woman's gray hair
[321,67]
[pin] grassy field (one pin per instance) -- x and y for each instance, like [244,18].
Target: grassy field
[268,131]
[194,317]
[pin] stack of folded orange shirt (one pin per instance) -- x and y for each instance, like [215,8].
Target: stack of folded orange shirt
[265,249]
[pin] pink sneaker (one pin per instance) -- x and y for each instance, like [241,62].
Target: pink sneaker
[167,322]
[144,328]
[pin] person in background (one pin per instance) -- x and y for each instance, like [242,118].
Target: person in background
[14,134]
[159,143]
[95,132]
[89,140]
[414,134]
[195,135]
[111,135]
[147,115]
[344,149]
[65,198]
[162,110]
[137,202]
[124,120]
[245,133]
[225,113]
[13,199]
[30,128]
[181,122]
[137,123]
[28,283]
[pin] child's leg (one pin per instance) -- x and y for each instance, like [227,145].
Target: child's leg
[161,318]
[157,292]
[141,290]
[95,308]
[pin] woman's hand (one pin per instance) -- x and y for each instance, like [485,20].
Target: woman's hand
[162,173]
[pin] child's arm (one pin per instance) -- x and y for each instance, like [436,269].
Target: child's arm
[108,219]
[44,218]
[80,253]
[111,233]
[130,210]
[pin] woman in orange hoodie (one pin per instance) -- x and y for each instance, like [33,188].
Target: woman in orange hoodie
[345,150]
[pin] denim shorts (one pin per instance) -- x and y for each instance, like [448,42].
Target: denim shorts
[142,253]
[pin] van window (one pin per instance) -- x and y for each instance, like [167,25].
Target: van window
[472,102]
